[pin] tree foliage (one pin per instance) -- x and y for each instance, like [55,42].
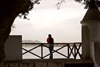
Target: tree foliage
[31,6]
[85,2]
[33,2]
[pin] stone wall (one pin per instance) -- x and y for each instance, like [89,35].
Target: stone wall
[97,52]
[13,47]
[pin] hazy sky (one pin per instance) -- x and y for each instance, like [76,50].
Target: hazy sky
[63,24]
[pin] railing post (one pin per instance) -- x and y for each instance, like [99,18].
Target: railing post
[68,50]
[79,49]
[75,51]
[41,51]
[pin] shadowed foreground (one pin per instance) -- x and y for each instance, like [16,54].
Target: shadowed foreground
[50,63]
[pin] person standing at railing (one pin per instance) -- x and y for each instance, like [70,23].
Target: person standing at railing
[50,41]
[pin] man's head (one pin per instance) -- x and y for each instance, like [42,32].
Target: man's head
[49,35]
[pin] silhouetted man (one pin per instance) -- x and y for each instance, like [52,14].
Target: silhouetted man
[50,41]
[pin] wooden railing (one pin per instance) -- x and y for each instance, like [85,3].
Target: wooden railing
[73,49]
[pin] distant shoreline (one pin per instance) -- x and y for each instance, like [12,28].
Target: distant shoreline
[58,45]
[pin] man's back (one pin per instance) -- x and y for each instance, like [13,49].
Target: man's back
[50,40]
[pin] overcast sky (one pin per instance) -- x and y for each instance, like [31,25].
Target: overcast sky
[63,24]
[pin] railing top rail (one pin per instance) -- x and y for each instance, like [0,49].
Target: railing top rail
[54,43]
